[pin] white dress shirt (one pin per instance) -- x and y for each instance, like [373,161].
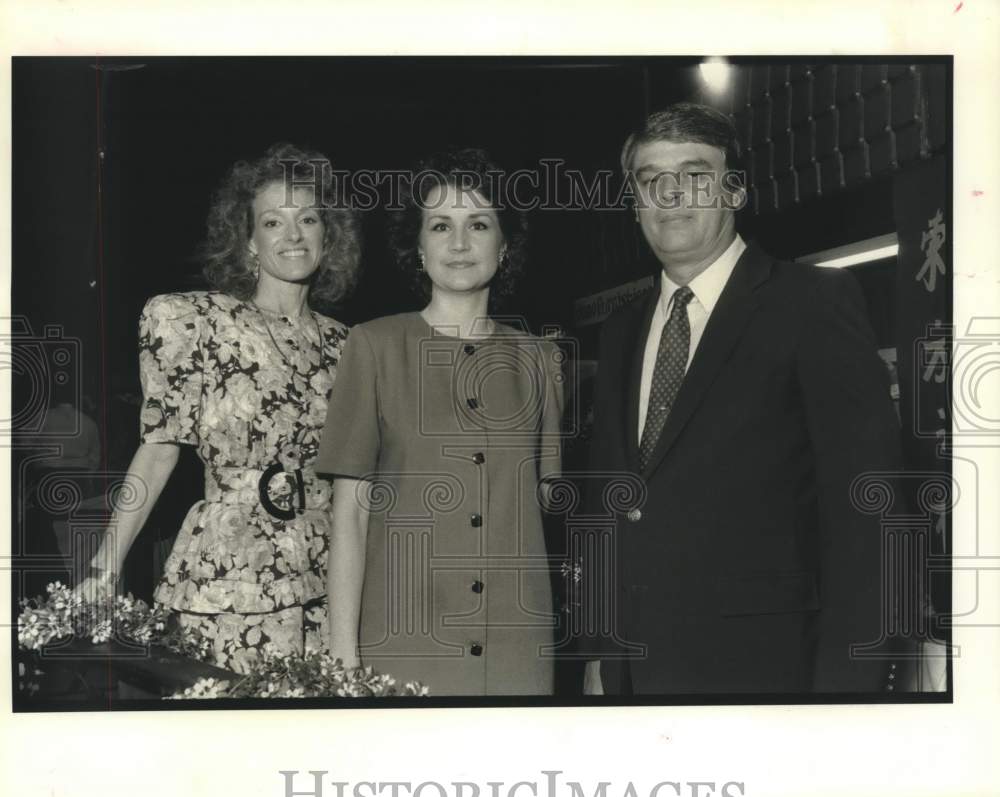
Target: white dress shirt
[706,287]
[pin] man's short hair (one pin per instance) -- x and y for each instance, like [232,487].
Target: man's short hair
[687,123]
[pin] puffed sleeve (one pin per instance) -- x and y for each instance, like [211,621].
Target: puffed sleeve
[352,436]
[170,369]
[550,460]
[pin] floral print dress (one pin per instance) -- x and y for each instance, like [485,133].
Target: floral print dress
[249,388]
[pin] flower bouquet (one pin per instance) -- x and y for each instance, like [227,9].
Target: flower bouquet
[312,675]
[63,616]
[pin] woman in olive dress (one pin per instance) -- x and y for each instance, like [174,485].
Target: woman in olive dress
[444,426]
[243,373]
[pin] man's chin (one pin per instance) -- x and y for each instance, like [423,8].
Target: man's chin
[674,249]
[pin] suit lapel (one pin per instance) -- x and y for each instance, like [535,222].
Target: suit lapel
[736,305]
[636,332]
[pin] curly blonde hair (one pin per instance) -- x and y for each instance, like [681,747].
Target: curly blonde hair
[225,255]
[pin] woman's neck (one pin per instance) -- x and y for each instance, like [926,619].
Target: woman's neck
[285,298]
[462,314]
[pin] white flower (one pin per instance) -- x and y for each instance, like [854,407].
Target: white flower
[202,688]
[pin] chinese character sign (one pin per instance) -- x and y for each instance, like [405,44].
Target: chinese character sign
[931,242]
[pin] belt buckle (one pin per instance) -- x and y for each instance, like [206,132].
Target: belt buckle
[270,507]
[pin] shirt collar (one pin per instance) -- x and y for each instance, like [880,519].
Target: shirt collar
[707,286]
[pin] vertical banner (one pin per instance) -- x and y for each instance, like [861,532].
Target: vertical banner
[922,201]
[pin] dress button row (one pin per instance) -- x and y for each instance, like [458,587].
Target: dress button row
[475,520]
[479,458]
[477,586]
[476,649]
[635,515]
[473,403]
[470,349]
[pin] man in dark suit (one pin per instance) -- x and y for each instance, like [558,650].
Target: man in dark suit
[748,396]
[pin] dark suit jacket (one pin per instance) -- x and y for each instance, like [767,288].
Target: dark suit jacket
[747,567]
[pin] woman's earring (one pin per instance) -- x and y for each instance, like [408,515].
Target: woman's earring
[255,266]
[421,256]
[502,260]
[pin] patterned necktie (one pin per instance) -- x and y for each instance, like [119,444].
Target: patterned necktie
[668,373]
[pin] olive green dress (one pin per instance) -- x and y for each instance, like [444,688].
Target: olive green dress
[455,436]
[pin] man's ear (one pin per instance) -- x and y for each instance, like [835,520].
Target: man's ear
[734,189]
[738,199]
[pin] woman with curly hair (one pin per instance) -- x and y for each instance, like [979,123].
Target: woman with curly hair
[438,437]
[243,373]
